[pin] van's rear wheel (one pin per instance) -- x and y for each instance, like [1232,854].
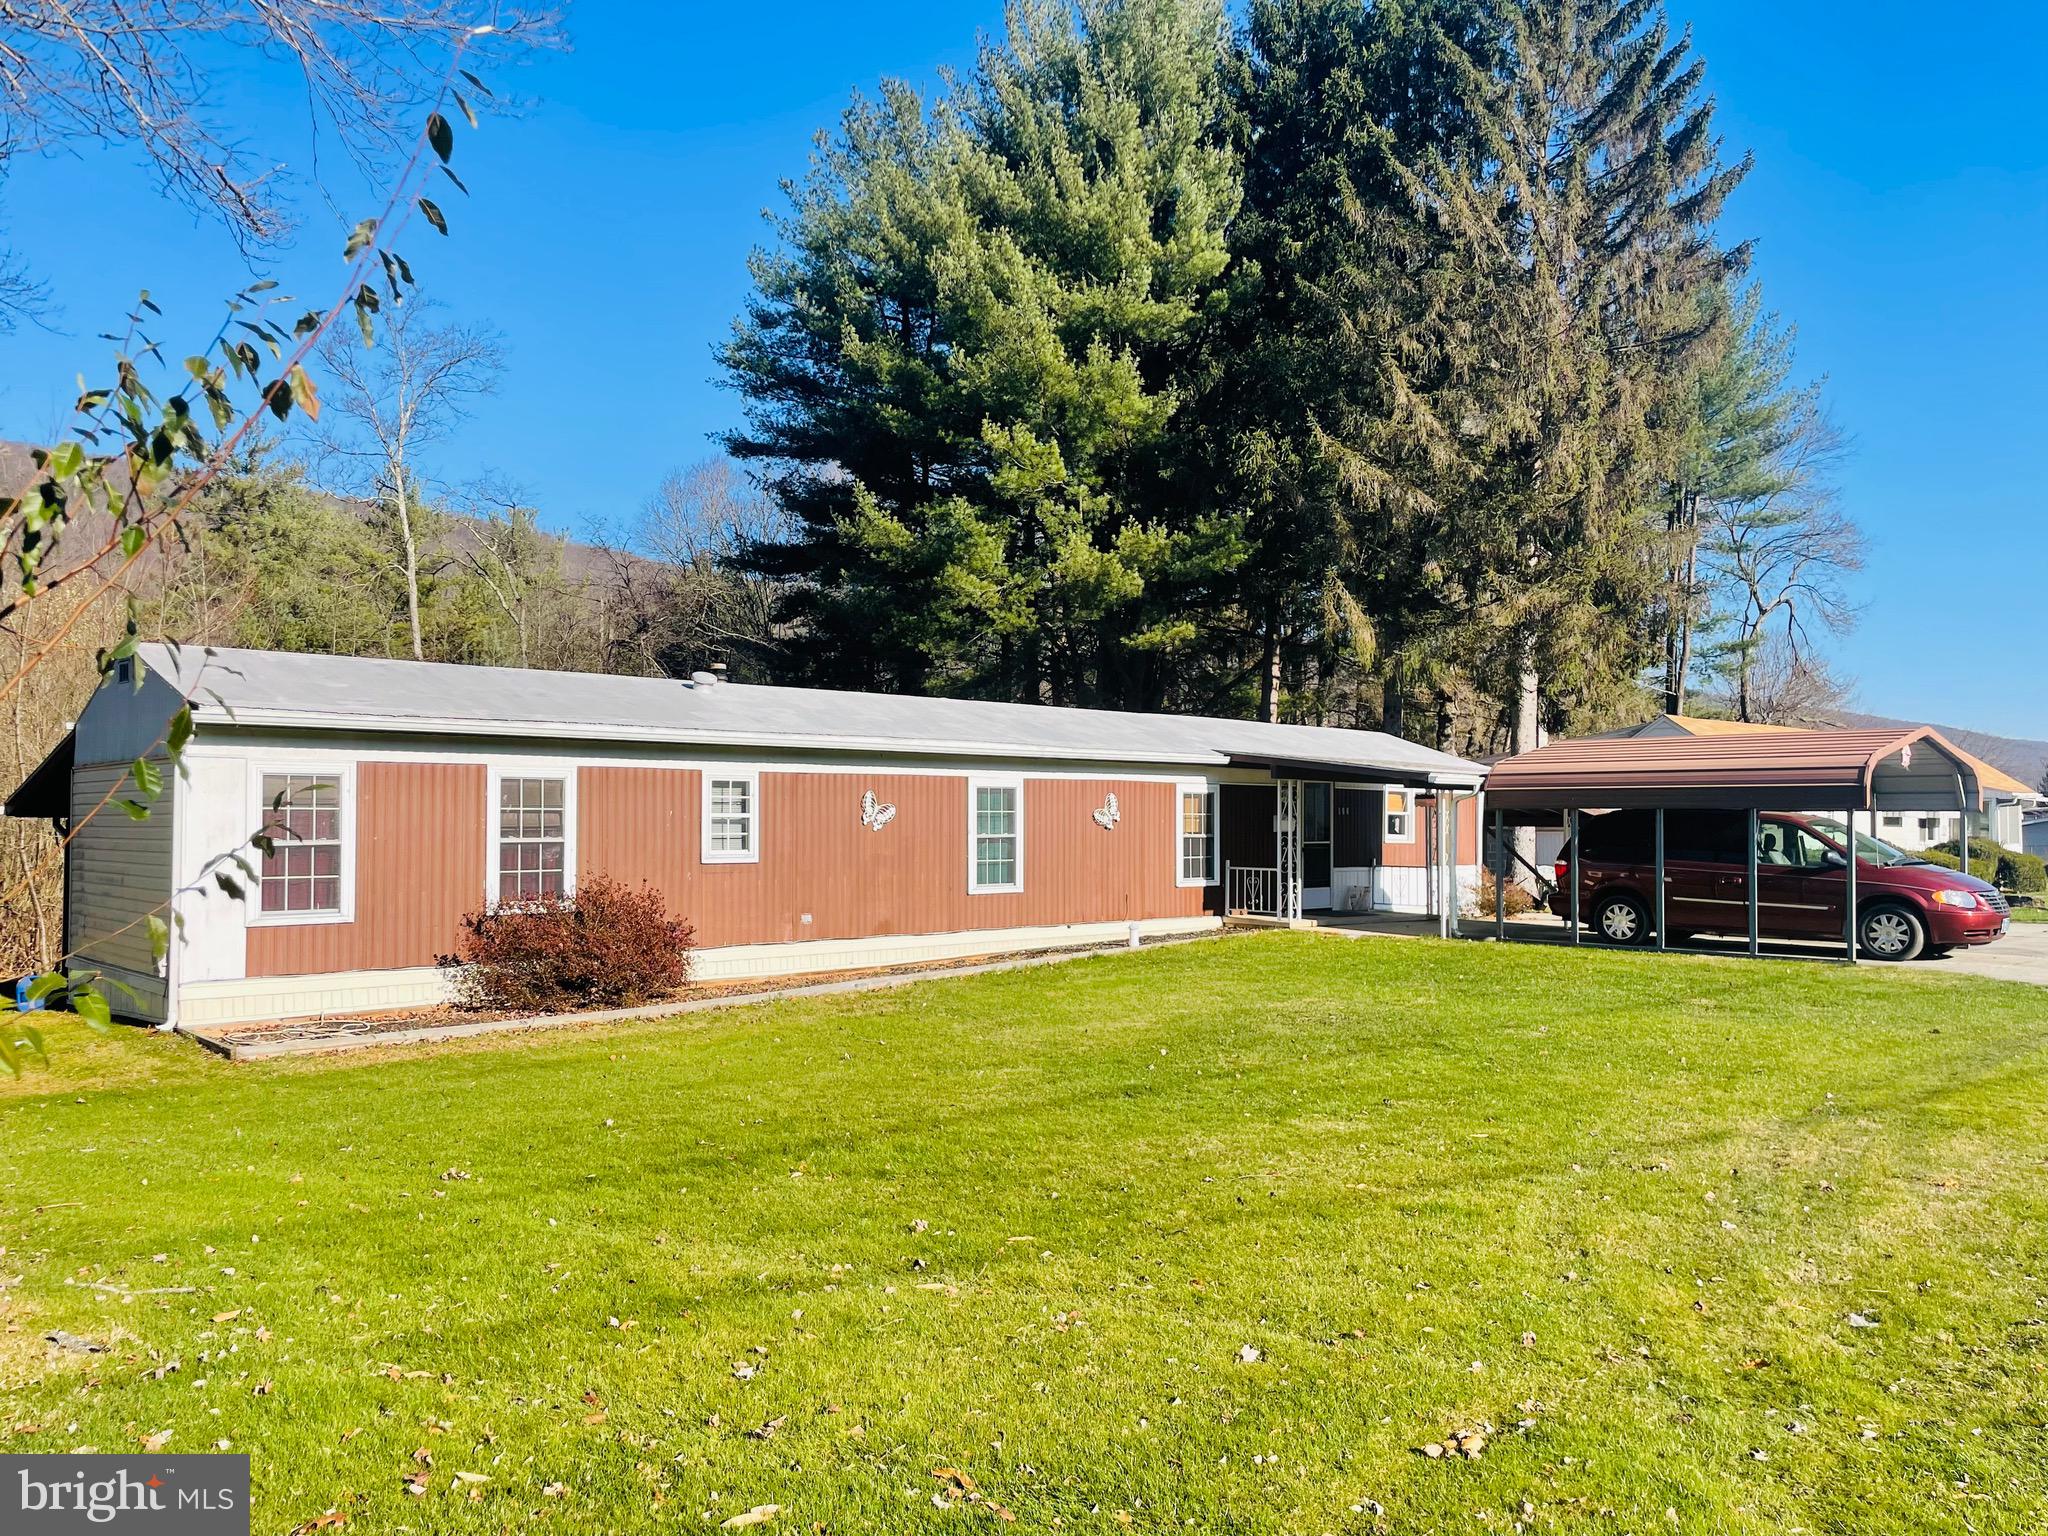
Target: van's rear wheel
[1621,920]
[1892,933]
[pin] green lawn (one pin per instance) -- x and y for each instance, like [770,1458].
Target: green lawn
[1209,1237]
[2030,914]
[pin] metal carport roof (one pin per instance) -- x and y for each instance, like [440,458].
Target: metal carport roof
[1782,771]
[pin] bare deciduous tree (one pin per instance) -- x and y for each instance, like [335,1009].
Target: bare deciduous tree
[1780,557]
[393,403]
[141,74]
[515,562]
[699,524]
[1791,687]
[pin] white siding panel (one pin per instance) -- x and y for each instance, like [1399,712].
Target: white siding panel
[214,809]
[119,872]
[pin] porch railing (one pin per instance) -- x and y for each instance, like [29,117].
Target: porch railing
[1251,891]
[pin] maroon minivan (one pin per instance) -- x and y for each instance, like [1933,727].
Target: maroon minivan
[1907,907]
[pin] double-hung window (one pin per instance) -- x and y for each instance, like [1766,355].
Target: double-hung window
[732,816]
[304,875]
[1400,816]
[533,839]
[1197,828]
[995,835]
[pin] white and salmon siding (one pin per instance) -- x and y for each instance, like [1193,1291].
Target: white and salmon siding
[798,831]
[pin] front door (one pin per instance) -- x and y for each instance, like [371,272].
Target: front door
[1315,846]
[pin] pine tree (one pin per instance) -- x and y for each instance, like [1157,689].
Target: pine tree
[964,364]
[1587,219]
[1331,433]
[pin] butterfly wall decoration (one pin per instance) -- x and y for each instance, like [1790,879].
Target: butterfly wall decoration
[874,814]
[1107,816]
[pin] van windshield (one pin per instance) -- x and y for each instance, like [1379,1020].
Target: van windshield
[1868,848]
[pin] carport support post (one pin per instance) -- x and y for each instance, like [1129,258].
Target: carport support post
[1455,899]
[1752,883]
[1849,907]
[1660,877]
[1500,878]
[1962,824]
[1572,816]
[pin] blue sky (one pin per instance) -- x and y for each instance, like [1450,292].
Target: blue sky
[1900,205]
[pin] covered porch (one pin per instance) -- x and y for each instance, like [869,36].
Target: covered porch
[1328,841]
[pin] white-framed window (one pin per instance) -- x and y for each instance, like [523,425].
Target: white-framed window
[1894,823]
[533,834]
[995,835]
[308,814]
[1195,834]
[1399,816]
[732,816]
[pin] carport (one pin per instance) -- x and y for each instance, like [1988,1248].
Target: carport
[1844,772]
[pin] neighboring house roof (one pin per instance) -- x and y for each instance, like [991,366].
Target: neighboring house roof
[1784,770]
[1993,780]
[275,688]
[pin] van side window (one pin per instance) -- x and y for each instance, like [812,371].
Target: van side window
[1782,845]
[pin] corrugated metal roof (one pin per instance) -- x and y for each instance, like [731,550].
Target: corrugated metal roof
[1989,777]
[275,688]
[1784,769]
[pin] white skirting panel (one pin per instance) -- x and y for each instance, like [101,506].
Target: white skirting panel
[1387,889]
[203,1003]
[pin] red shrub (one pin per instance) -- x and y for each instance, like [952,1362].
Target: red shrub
[608,946]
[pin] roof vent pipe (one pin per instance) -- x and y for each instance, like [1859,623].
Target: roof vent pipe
[704,679]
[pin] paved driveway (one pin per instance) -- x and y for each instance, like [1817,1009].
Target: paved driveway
[2022,955]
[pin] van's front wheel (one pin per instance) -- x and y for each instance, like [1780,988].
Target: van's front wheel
[1621,920]
[1892,932]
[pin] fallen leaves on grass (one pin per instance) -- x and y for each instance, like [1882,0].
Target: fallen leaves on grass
[332,1520]
[964,1490]
[769,1430]
[157,1441]
[1250,1354]
[1468,1443]
[760,1514]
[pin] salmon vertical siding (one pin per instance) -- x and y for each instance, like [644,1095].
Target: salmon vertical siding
[422,861]
[819,862]
[1417,854]
[419,867]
